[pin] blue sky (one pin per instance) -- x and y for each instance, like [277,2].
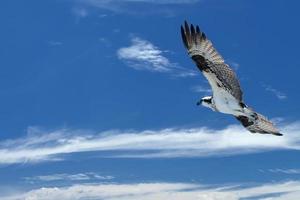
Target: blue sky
[99,100]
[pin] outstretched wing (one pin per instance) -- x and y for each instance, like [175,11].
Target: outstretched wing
[209,61]
[260,125]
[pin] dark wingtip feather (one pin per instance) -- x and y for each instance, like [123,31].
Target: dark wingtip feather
[192,29]
[193,33]
[187,28]
[187,33]
[278,134]
[183,37]
[197,29]
[186,24]
[203,36]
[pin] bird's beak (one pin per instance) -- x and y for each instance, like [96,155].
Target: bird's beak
[199,102]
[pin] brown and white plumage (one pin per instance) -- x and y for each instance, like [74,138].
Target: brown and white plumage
[260,125]
[209,60]
[227,94]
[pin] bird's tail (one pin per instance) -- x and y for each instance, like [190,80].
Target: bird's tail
[198,45]
[257,123]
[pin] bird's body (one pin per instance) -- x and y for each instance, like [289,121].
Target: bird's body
[223,101]
[227,93]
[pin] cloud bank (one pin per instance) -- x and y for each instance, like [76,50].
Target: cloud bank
[194,142]
[160,191]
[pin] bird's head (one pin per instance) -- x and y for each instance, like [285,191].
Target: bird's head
[207,102]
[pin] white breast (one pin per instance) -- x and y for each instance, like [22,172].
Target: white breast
[224,101]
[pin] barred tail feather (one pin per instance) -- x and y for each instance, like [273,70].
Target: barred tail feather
[257,123]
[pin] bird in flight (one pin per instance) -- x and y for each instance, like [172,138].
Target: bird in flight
[227,95]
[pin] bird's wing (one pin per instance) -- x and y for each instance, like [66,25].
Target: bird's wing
[210,61]
[259,125]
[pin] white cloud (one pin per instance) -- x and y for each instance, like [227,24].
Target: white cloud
[161,191]
[193,142]
[285,171]
[280,95]
[143,55]
[69,177]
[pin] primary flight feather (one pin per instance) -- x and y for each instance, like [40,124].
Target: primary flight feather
[227,95]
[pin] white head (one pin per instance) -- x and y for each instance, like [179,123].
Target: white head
[207,102]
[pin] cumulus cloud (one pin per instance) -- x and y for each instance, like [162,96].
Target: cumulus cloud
[143,55]
[161,191]
[193,142]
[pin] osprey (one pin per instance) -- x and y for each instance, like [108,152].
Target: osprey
[227,93]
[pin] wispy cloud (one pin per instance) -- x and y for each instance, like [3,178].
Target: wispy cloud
[69,177]
[130,6]
[201,89]
[54,43]
[285,171]
[280,95]
[143,55]
[161,191]
[193,142]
